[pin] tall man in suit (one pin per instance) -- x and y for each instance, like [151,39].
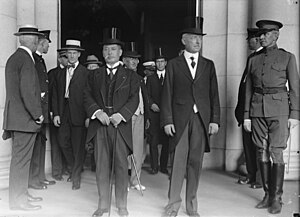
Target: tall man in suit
[22,116]
[57,160]
[190,112]
[37,178]
[253,174]
[68,111]
[111,98]
[157,134]
[271,110]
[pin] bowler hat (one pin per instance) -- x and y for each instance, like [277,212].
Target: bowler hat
[46,35]
[28,30]
[112,35]
[92,59]
[159,53]
[193,25]
[72,44]
[252,33]
[268,25]
[130,50]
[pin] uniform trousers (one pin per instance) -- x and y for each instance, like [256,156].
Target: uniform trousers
[22,148]
[110,146]
[188,158]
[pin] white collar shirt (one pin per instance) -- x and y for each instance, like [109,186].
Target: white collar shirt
[187,55]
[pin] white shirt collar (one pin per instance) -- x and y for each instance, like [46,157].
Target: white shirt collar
[113,66]
[38,53]
[258,49]
[76,64]
[188,55]
[159,73]
[28,51]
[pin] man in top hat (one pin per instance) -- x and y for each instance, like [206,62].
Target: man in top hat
[271,110]
[92,62]
[140,117]
[37,178]
[22,116]
[111,99]
[57,161]
[190,113]
[68,111]
[157,134]
[253,174]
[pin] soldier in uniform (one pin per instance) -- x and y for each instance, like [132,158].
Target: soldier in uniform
[271,109]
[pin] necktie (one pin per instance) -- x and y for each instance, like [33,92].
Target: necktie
[70,66]
[193,62]
[111,74]
[161,79]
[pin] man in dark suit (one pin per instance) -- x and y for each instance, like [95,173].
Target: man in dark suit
[253,174]
[111,98]
[37,178]
[22,116]
[57,160]
[190,112]
[68,111]
[157,134]
[271,110]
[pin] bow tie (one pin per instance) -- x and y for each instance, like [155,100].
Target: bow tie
[71,66]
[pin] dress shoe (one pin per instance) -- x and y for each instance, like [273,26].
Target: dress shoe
[37,186]
[164,171]
[66,172]
[193,214]
[70,179]
[26,207]
[153,171]
[58,177]
[169,213]
[99,212]
[123,212]
[47,182]
[31,198]
[255,185]
[138,187]
[76,185]
[244,181]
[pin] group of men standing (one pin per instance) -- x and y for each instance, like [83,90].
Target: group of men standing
[110,106]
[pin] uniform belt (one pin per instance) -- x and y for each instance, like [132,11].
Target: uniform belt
[270,90]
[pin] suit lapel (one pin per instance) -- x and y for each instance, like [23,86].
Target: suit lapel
[184,67]
[121,78]
[76,74]
[200,68]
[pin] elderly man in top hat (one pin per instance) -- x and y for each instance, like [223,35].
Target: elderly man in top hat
[190,112]
[140,117]
[253,174]
[111,99]
[271,110]
[23,115]
[157,134]
[37,178]
[68,111]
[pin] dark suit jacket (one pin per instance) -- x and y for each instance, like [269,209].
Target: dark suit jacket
[181,92]
[145,98]
[43,79]
[52,77]
[23,94]
[76,87]
[125,100]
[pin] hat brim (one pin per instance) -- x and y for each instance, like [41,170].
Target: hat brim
[112,41]
[28,33]
[93,62]
[72,48]
[193,31]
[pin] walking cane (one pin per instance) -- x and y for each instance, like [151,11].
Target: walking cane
[112,173]
[136,172]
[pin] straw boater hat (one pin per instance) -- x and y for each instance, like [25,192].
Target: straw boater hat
[72,44]
[92,59]
[46,35]
[193,25]
[28,30]
[131,50]
[112,36]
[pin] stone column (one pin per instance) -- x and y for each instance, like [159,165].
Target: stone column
[287,12]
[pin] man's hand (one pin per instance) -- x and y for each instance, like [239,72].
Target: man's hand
[40,120]
[170,129]
[87,122]
[102,117]
[155,107]
[115,119]
[56,121]
[247,125]
[147,125]
[213,128]
[292,123]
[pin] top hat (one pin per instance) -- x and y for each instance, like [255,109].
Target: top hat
[28,30]
[112,35]
[159,54]
[92,59]
[252,33]
[193,25]
[72,44]
[268,25]
[46,35]
[130,50]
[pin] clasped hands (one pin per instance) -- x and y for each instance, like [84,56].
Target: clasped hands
[115,119]
[213,128]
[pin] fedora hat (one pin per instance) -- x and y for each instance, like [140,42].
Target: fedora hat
[46,35]
[193,25]
[112,35]
[73,44]
[159,54]
[92,59]
[28,29]
[252,33]
[130,50]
